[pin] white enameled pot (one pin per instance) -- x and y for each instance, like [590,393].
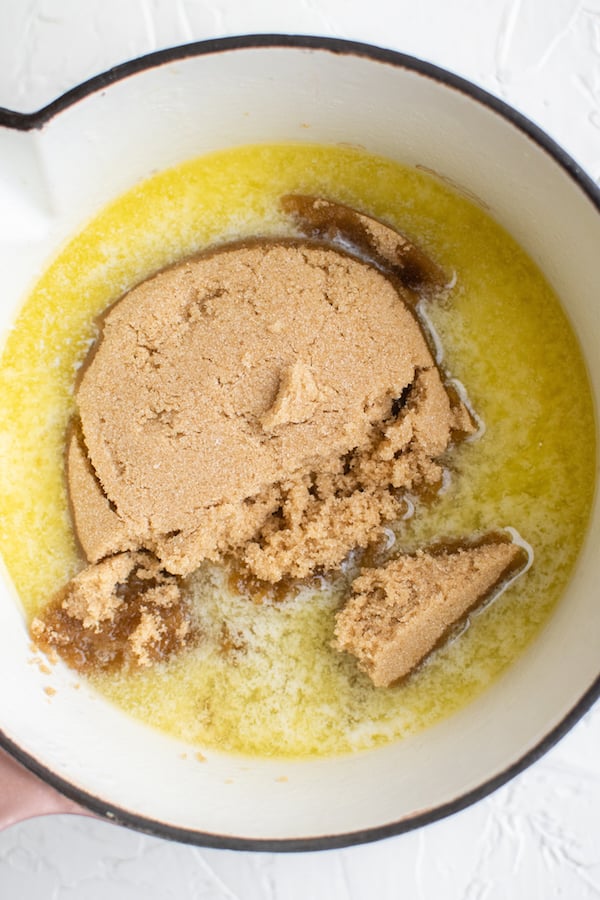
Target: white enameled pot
[60,166]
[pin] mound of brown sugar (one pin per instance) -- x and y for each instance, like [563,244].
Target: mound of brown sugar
[398,613]
[270,401]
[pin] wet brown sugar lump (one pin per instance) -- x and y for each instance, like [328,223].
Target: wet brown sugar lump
[123,611]
[372,239]
[242,402]
[398,613]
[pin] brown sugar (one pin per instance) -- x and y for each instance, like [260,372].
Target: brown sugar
[371,239]
[269,402]
[123,611]
[398,613]
[98,527]
[244,403]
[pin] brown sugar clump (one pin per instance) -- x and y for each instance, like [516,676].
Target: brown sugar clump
[246,403]
[123,611]
[370,238]
[398,613]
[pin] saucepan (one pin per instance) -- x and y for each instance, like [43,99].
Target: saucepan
[61,165]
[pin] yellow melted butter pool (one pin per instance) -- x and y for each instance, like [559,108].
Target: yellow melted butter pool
[504,336]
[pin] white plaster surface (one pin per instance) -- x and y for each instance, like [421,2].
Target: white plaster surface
[537,837]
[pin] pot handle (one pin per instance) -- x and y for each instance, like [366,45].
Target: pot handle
[23,795]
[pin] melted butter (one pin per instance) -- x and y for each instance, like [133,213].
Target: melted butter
[263,679]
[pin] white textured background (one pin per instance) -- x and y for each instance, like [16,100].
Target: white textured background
[538,837]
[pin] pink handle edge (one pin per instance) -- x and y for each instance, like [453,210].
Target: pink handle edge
[25,796]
